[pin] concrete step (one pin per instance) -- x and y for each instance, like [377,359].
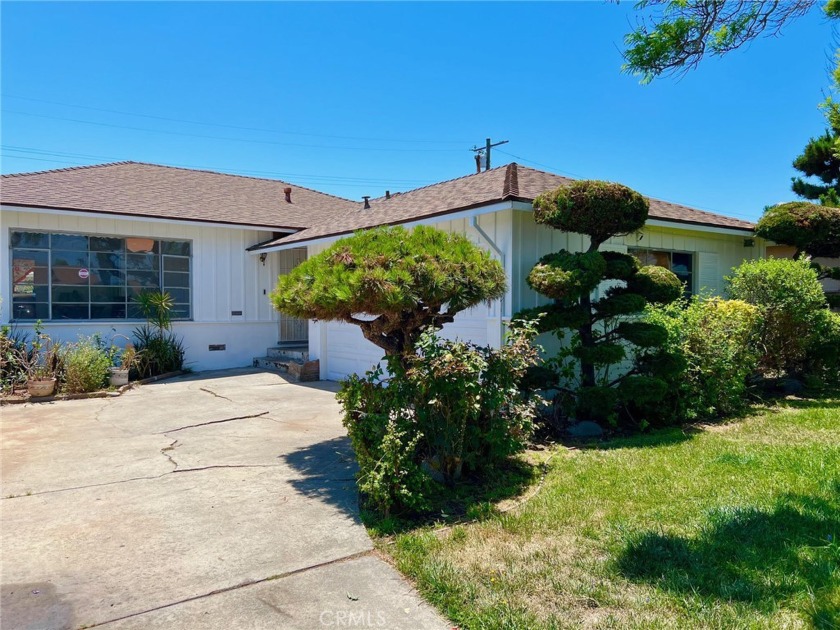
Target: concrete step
[296,369]
[289,353]
[274,363]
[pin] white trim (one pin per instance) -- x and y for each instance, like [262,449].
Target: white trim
[133,217]
[431,220]
[698,227]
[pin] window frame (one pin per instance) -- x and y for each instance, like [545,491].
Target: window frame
[691,288]
[89,252]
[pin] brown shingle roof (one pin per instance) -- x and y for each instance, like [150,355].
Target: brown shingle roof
[505,183]
[151,190]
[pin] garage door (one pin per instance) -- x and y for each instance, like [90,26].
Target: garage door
[348,352]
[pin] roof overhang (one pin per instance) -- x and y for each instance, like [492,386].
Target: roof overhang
[447,215]
[146,218]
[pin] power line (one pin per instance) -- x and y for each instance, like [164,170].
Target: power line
[227,139]
[339,178]
[227,126]
[314,180]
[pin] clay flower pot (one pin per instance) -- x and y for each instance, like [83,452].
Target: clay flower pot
[40,387]
[119,377]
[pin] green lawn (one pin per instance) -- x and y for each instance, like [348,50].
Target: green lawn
[726,526]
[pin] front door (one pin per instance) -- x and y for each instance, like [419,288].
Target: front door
[292,329]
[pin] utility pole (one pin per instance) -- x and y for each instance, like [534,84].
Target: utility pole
[485,150]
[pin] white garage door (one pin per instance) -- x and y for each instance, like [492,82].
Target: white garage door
[348,352]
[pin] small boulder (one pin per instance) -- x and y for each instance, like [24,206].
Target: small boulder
[585,429]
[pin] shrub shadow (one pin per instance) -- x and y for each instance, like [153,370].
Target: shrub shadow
[327,473]
[473,498]
[758,558]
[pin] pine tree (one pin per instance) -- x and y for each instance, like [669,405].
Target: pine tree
[819,160]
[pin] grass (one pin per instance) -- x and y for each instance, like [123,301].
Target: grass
[729,526]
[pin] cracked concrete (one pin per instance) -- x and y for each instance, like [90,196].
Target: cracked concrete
[247,519]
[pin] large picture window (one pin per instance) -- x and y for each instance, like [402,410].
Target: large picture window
[58,276]
[680,263]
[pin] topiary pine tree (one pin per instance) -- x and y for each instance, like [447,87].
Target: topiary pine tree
[819,160]
[813,230]
[392,283]
[602,328]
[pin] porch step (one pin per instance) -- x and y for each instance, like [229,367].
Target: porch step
[289,353]
[297,369]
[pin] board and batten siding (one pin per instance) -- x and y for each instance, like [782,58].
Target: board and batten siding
[225,278]
[715,254]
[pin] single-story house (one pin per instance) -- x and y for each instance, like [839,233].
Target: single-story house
[79,243]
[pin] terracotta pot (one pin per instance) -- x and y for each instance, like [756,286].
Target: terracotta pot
[40,387]
[119,377]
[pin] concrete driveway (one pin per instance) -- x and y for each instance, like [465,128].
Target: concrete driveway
[220,500]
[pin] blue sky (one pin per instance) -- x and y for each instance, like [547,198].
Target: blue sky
[353,99]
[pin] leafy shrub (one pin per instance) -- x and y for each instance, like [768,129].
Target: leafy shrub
[86,365]
[457,408]
[709,355]
[822,353]
[808,227]
[789,296]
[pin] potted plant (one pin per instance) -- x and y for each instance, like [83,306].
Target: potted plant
[40,364]
[119,374]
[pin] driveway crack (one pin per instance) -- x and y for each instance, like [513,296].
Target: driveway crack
[211,392]
[165,452]
[204,424]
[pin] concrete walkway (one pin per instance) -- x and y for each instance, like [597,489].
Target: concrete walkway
[221,500]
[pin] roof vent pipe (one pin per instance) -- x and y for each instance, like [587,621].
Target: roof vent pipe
[387,194]
[367,202]
[288,193]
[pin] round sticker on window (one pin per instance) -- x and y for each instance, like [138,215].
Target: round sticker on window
[83,273]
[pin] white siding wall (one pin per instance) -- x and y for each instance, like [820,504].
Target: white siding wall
[225,278]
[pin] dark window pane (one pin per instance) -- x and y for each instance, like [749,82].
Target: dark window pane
[69,275]
[103,260]
[142,262]
[70,311]
[107,277]
[107,294]
[30,239]
[71,242]
[179,296]
[69,259]
[180,311]
[107,311]
[141,245]
[143,279]
[682,264]
[70,294]
[171,263]
[176,279]
[106,244]
[176,248]
[134,311]
[28,257]
[30,310]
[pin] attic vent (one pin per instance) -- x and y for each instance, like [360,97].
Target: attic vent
[367,202]
[288,192]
